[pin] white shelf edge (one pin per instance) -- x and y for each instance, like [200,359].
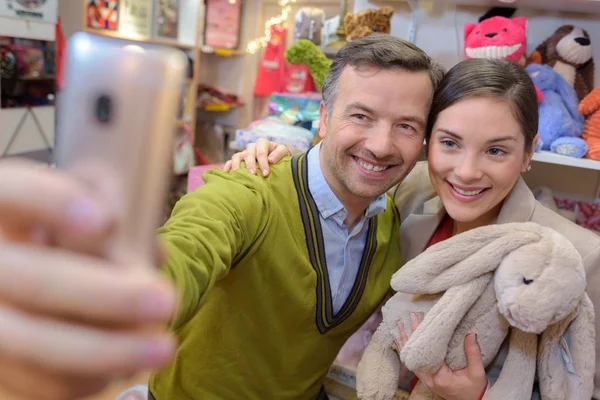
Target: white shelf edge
[552,158]
[570,6]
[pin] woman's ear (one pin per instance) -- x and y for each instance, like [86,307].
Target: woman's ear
[527,162]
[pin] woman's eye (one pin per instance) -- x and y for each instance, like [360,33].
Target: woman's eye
[448,143]
[496,152]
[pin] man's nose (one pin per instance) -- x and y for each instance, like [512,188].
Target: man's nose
[468,169]
[380,143]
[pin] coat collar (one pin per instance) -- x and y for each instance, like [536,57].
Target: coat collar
[416,230]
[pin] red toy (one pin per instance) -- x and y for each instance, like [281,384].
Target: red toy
[499,38]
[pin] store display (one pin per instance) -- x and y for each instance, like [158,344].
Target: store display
[271,73]
[569,52]
[102,14]
[367,22]
[45,11]
[558,113]
[136,17]
[590,109]
[222,23]
[299,110]
[460,286]
[587,212]
[166,18]
[295,137]
[308,24]
[305,52]
[210,96]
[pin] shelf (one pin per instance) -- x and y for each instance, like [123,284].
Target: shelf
[218,107]
[117,35]
[552,158]
[576,6]
[222,52]
[181,122]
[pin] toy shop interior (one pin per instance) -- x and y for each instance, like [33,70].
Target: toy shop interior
[258,66]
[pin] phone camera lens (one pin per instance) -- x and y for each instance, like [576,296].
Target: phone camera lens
[104,109]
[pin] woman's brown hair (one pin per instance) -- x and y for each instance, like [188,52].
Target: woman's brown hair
[479,77]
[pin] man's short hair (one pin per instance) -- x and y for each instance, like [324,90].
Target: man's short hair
[379,51]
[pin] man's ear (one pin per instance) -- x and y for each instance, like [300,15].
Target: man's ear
[322,121]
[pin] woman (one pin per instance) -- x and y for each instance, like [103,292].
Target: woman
[481,137]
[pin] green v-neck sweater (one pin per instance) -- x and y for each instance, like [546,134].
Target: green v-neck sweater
[255,320]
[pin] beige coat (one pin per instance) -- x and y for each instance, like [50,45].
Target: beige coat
[421,212]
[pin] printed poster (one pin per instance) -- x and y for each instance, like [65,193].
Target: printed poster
[102,14]
[36,10]
[135,17]
[166,18]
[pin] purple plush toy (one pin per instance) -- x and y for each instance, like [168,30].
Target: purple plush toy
[560,124]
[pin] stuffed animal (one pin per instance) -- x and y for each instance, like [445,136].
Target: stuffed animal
[558,114]
[499,38]
[569,52]
[590,108]
[307,53]
[367,22]
[516,280]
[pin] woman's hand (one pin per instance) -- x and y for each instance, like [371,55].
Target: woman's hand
[469,383]
[263,151]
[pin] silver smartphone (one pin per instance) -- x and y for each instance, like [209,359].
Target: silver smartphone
[118,110]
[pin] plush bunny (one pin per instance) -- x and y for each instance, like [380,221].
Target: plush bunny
[516,280]
[558,114]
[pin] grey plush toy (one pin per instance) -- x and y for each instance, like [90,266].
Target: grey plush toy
[518,279]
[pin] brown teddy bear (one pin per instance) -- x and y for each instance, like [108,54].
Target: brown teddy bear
[569,52]
[367,22]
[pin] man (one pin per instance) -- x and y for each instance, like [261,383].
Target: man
[273,275]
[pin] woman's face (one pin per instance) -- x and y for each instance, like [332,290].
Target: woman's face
[476,154]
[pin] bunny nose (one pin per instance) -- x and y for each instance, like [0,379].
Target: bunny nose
[583,41]
[491,35]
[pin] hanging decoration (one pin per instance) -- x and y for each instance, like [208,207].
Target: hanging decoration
[257,44]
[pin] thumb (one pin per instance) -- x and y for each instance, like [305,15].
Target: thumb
[473,352]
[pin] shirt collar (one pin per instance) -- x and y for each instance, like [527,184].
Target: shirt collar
[327,203]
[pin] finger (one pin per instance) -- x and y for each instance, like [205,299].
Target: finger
[30,382]
[67,204]
[74,285]
[414,322]
[236,160]
[227,166]
[65,348]
[250,158]
[397,346]
[403,336]
[278,153]
[475,366]
[263,148]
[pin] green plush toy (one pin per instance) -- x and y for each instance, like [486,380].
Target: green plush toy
[305,52]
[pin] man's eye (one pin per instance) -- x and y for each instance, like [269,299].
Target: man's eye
[360,117]
[406,126]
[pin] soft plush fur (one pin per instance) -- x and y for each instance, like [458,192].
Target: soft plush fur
[590,109]
[367,22]
[497,37]
[569,52]
[305,52]
[517,279]
[558,114]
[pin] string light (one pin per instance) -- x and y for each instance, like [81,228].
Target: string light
[257,44]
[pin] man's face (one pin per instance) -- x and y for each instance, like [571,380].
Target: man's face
[374,135]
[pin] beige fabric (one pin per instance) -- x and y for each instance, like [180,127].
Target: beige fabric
[422,211]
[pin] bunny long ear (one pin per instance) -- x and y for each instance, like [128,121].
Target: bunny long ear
[463,257]
[378,371]
[567,356]
[428,345]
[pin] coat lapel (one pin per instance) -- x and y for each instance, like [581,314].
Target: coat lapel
[416,230]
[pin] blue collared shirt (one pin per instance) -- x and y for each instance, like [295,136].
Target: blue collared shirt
[343,249]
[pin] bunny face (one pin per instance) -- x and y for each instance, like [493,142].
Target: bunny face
[540,283]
